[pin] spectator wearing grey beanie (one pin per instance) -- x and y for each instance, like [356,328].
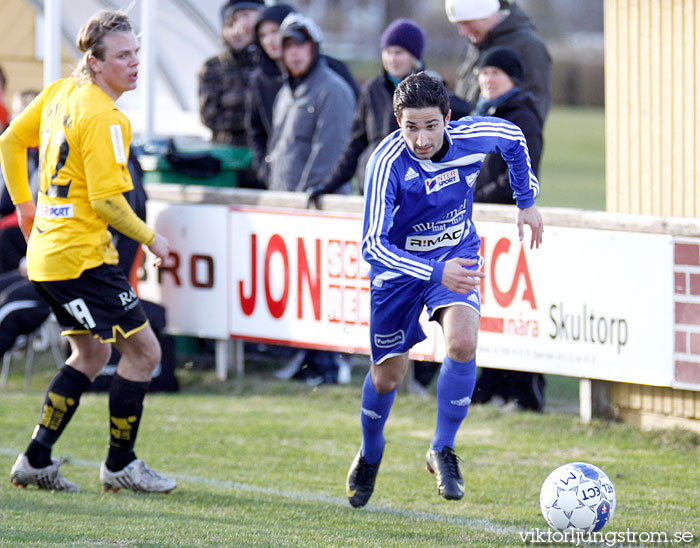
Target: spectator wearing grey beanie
[266,80]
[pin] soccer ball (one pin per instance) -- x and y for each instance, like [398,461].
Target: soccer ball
[577,497]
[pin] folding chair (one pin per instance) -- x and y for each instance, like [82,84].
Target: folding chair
[47,335]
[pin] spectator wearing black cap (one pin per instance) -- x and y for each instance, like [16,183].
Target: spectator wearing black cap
[500,73]
[266,80]
[223,79]
[312,112]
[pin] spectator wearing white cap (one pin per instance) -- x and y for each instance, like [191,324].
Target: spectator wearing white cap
[490,23]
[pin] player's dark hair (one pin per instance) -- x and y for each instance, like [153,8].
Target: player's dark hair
[3,81]
[420,91]
[91,39]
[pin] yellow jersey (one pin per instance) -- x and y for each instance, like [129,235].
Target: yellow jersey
[84,150]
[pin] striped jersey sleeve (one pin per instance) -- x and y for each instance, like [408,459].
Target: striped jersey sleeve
[490,134]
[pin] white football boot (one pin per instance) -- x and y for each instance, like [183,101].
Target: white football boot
[49,477]
[137,477]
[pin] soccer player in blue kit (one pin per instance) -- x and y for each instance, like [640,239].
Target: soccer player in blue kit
[423,250]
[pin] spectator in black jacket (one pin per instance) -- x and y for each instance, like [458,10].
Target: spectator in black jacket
[266,80]
[223,79]
[500,72]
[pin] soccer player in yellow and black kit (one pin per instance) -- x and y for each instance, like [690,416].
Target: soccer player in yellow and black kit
[84,147]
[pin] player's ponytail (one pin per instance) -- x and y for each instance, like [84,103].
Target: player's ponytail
[91,39]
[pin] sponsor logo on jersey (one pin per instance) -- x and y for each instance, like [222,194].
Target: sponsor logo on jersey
[115,131]
[466,400]
[410,174]
[48,211]
[441,181]
[445,238]
[390,340]
[371,414]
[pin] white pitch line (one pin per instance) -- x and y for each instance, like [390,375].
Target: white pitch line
[474,523]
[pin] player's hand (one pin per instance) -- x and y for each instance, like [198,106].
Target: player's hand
[531,217]
[458,277]
[25,217]
[312,197]
[160,248]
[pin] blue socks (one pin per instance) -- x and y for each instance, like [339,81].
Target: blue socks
[375,412]
[455,387]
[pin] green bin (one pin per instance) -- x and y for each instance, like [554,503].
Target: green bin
[157,168]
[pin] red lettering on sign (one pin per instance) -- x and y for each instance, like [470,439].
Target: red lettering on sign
[248,303]
[364,306]
[505,299]
[173,263]
[334,251]
[303,274]
[334,304]
[350,259]
[350,305]
[276,245]
[482,281]
[208,262]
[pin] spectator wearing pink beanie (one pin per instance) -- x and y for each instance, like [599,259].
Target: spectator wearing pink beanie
[406,34]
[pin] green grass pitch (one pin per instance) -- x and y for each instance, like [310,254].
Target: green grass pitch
[262,463]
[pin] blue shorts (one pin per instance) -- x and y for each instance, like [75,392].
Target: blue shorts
[396,307]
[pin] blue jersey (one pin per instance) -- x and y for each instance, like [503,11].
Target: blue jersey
[418,212]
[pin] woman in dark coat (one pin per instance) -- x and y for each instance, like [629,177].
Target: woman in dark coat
[500,72]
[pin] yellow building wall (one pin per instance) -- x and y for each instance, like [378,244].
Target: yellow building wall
[652,119]
[18,56]
[652,107]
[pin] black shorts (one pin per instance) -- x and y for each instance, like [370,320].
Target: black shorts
[100,302]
